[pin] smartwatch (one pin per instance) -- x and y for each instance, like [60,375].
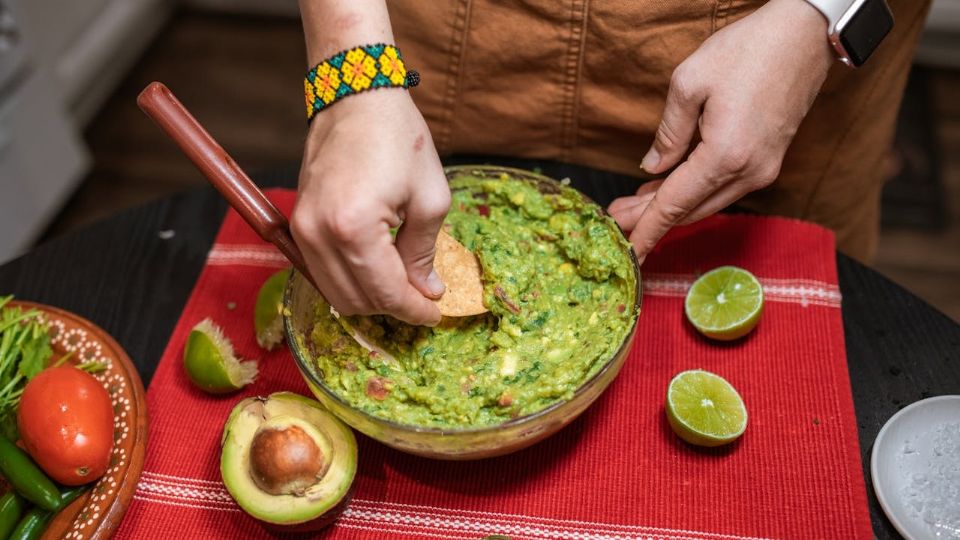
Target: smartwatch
[855,27]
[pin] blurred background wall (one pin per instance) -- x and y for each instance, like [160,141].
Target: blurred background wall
[59,62]
[74,148]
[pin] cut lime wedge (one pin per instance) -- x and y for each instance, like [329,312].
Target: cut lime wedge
[704,409]
[725,303]
[267,314]
[210,363]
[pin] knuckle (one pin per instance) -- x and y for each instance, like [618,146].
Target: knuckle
[767,173]
[666,137]
[735,159]
[671,212]
[681,84]
[344,223]
[715,181]
[303,225]
[436,206]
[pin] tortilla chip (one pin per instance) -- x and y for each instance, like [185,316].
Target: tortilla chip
[460,272]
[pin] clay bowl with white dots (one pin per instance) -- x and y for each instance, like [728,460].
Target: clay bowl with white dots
[98,513]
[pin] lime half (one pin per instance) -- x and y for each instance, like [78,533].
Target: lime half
[725,303]
[704,409]
[267,314]
[210,363]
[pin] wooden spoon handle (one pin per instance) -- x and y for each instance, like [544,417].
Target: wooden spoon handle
[159,103]
[213,161]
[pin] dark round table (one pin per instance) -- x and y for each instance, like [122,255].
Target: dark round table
[132,274]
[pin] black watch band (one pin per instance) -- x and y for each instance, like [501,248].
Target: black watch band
[855,28]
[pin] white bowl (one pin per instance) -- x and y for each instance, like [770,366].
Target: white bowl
[904,447]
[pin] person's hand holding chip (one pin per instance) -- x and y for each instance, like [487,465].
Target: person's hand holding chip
[369,165]
[356,183]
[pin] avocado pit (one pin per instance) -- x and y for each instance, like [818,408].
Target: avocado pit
[285,458]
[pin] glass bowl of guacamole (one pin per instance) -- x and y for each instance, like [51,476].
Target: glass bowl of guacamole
[563,288]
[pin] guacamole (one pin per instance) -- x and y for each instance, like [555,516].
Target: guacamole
[560,285]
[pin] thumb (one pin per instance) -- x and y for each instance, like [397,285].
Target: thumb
[681,114]
[417,238]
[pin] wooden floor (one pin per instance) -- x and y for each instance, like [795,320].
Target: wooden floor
[241,78]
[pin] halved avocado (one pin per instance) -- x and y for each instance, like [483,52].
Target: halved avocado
[287,461]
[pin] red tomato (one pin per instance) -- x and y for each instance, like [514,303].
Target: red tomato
[66,424]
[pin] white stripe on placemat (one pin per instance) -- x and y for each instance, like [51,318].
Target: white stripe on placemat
[541,526]
[246,255]
[806,292]
[199,506]
[430,521]
[212,496]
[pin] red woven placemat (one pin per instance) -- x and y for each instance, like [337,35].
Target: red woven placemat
[616,472]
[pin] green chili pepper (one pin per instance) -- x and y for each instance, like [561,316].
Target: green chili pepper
[20,471]
[11,508]
[35,522]
[32,525]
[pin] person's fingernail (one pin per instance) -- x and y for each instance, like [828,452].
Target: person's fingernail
[651,160]
[435,284]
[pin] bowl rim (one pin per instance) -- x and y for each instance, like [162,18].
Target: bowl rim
[299,351]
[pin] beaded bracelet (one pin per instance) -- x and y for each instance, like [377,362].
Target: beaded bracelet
[353,71]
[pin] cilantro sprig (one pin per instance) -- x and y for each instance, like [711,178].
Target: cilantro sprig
[24,351]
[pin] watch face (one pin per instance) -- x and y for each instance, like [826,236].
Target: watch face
[865,29]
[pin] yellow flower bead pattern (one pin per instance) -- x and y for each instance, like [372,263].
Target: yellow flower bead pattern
[355,70]
[392,67]
[358,69]
[327,83]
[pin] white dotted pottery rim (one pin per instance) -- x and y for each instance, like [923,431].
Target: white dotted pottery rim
[99,512]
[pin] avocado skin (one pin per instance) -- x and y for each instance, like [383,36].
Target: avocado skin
[234,463]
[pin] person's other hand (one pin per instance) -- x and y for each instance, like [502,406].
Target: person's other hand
[370,165]
[746,90]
